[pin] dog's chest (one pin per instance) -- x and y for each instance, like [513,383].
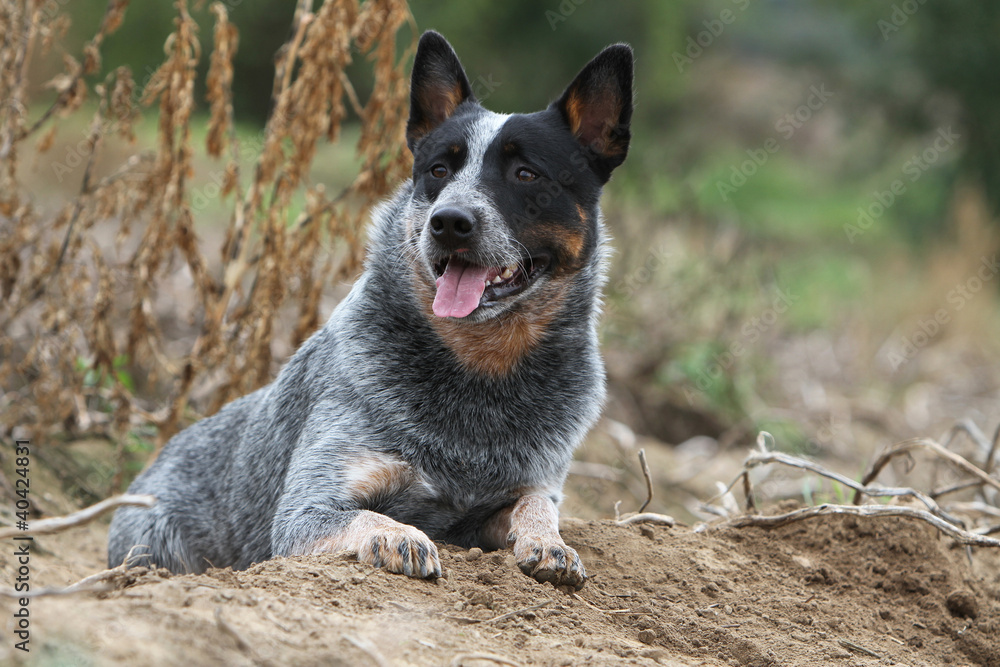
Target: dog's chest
[447,488]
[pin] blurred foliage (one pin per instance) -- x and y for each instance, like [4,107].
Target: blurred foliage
[899,69]
[716,80]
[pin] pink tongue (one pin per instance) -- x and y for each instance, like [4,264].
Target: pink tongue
[459,289]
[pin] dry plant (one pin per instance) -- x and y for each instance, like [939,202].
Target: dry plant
[945,519]
[77,314]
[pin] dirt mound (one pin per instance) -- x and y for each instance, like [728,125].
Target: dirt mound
[831,591]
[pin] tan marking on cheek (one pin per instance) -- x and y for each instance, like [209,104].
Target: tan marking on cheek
[572,242]
[569,243]
[496,346]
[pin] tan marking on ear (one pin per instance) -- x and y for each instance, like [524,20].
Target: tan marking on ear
[441,101]
[574,112]
[496,346]
[605,108]
[374,476]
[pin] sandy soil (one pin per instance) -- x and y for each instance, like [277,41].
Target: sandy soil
[830,591]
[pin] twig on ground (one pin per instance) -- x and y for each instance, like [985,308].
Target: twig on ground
[757,459]
[576,596]
[924,443]
[367,650]
[86,515]
[961,536]
[460,659]
[517,612]
[970,428]
[647,517]
[954,488]
[649,480]
[95,583]
[851,646]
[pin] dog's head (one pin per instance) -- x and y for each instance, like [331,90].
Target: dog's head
[504,208]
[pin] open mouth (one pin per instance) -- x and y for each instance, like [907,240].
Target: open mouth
[462,286]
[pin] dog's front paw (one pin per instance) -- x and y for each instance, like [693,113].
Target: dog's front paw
[378,540]
[402,549]
[550,560]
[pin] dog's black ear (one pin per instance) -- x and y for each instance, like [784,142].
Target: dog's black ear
[597,106]
[438,85]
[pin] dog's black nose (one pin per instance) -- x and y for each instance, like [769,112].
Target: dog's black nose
[452,227]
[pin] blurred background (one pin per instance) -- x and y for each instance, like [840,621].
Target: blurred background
[805,230]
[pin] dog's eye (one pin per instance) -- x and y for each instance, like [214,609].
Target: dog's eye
[526,175]
[439,171]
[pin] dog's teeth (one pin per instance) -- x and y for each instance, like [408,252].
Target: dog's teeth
[507,273]
[498,279]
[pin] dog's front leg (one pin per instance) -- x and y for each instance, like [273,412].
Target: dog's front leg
[375,538]
[531,527]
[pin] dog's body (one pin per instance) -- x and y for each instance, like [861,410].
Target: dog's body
[445,395]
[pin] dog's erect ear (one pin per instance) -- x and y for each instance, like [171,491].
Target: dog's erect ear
[597,106]
[438,85]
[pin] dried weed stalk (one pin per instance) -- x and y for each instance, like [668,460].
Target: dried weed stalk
[100,337]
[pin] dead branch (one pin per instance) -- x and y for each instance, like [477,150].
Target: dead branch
[647,517]
[518,612]
[756,459]
[924,443]
[461,658]
[367,650]
[94,583]
[649,480]
[86,515]
[857,648]
[774,521]
[969,428]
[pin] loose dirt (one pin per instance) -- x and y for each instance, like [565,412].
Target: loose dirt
[829,591]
